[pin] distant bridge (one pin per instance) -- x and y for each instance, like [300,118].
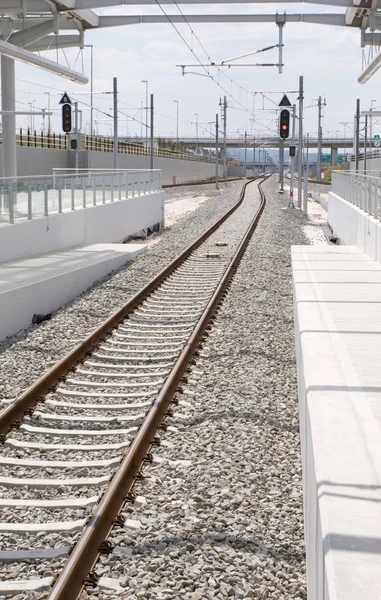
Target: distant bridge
[261,142]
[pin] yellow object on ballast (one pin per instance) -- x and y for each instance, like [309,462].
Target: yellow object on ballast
[213,254]
[222,243]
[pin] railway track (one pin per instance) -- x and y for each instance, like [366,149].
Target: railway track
[75,441]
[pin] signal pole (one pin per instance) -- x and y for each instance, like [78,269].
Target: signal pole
[115,95]
[224,115]
[300,149]
[320,135]
[217,187]
[284,132]
[244,170]
[357,134]
[291,202]
[281,166]
[151,143]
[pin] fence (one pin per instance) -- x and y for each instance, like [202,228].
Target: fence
[105,144]
[364,191]
[40,139]
[48,140]
[24,198]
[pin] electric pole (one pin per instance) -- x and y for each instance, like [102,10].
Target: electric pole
[217,188]
[224,116]
[366,143]
[357,134]
[292,158]
[320,135]
[115,94]
[244,170]
[300,149]
[151,130]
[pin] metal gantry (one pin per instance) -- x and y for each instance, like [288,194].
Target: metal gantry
[31,26]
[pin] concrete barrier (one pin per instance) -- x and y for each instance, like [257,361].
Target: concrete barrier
[42,284]
[337,304]
[354,226]
[112,222]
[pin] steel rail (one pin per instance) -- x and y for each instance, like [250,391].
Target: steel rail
[87,549]
[11,415]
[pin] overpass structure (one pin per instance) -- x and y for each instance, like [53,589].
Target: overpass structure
[31,26]
[262,142]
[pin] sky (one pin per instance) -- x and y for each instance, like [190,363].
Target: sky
[329,58]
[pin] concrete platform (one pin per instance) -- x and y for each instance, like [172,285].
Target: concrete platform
[44,283]
[337,295]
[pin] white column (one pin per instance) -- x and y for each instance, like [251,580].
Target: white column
[8,101]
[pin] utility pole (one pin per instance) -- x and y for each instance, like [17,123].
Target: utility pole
[177,124]
[244,169]
[76,136]
[291,201]
[320,135]
[300,150]
[115,97]
[196,115]
[91,90]
[151,145]
[305,191]
[224,115]
[217,187]
[366,143]
[281,165]
[357,134]
[371,125]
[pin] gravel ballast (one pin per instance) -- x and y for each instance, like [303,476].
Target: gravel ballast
[223,515]
[28,354]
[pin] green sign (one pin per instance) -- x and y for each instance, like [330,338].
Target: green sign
[376,137]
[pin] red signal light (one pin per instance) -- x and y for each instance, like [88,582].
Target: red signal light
[284,124]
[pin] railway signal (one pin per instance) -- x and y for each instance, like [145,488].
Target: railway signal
[66,118]
[284,124]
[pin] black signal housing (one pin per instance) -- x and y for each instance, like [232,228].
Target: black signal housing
[66,118]
[284,124]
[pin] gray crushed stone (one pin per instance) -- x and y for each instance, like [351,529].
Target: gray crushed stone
[28,354]
[229,523]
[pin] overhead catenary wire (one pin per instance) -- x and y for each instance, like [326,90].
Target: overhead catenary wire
[199,61]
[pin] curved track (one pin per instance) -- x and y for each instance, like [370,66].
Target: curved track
[117,389]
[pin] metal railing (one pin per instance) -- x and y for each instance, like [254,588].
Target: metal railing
[374,153]
[106,144]
[364,191]
[26,198]
[40,139]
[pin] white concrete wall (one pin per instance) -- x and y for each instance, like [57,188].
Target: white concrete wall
[111,222]
[372,164]
[354,226]
[35,161]
[44,291]
[337,349]
[173,170]
[238,171]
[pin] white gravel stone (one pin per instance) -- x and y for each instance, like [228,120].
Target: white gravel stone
[230,524]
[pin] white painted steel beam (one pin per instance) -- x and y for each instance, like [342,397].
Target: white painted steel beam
[51,42]
[320,19]
[26,37]
[105,3]
[371,69]
[11,51]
